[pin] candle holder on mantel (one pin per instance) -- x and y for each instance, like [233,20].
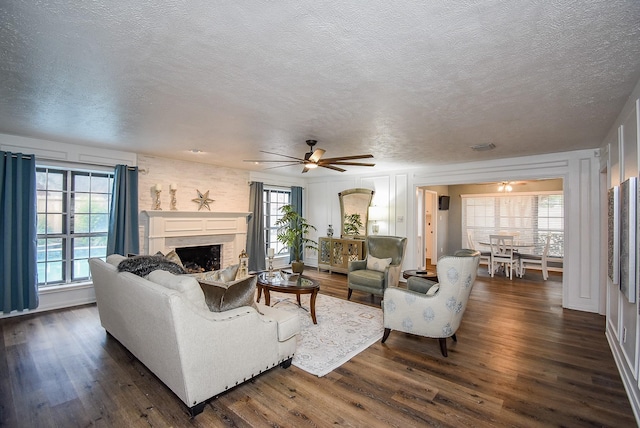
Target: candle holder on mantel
[156,202]
[172,190]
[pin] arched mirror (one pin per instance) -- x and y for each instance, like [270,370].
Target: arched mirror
[354,205]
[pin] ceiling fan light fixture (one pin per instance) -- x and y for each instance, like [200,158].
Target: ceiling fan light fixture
[505,186]
[483,147]
[310,165]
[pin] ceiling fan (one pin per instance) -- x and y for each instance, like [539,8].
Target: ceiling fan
[313,159]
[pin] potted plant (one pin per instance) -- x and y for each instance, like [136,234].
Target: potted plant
[352,224]
[292,231]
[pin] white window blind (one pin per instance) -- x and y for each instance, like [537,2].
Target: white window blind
[528,216]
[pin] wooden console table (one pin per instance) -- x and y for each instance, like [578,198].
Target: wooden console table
[334,254]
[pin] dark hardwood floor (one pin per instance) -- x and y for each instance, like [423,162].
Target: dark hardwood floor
[520,360]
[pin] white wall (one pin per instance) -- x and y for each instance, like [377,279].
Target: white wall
[620,161]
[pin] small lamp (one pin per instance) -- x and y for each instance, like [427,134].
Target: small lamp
[243,265]
[375,214]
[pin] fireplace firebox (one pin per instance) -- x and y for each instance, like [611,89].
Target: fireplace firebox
[202,258]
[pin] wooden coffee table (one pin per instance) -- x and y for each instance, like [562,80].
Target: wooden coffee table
[426,274]
[295,284]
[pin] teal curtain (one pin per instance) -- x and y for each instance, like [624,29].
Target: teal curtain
[255,228]
[18,232]
[123,235]
[296,204]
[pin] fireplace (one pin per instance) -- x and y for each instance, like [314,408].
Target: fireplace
[202,258]
[172,230]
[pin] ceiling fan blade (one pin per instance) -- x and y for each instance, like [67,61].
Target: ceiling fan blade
[283,166]
[317,154]
[335,168]
[264,160]
[331,160]
[305,169]
[350,163]
[280,154]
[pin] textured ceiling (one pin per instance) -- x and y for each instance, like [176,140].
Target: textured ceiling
[414,84]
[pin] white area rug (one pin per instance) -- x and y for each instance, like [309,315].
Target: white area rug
[344,330]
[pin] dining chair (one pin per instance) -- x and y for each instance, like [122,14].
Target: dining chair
[485,256]
[535,261]
[503,254]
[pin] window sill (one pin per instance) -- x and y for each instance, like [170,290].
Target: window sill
[65,287]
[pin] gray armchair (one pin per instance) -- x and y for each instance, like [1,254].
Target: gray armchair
[373,275]
[433,309]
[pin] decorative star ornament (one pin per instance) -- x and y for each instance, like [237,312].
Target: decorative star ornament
[203,200]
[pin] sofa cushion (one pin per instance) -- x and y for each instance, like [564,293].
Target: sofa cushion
[221,296]
[185,284]
[144,265]
[374,263]
[288,322]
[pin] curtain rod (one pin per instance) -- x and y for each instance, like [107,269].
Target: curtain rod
[142,171]
[15,156]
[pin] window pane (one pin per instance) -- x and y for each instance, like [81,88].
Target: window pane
[81,223]
[80,269]
[99,203]
[100,184]
[100,223]
[81,248]
[81,203]
[81,182]
[98,246]
[42,273]
[41,197]
[54,223]
[55,249]
[55,181]
[41,179]
[42,250]
[55,202]
[55,272]
[42,224]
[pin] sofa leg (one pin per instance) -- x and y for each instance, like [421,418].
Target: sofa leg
[386,334]
[443,345]
[286,363]
[349,294]
[197,409]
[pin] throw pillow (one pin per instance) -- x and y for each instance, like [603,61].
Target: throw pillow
[228,274]
[144,265]
[174,257]
[223,297]
[380,265]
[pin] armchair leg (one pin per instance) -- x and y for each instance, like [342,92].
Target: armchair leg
[386,334]
[443,346]
[455,339]
[349,294]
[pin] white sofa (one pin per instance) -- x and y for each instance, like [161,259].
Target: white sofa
[164,322]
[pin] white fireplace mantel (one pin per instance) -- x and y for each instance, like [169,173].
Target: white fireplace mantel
[160,226]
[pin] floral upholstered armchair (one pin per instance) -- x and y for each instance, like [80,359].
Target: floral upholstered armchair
[432,309]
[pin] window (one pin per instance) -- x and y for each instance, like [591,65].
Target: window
[531,217]
[73,219]
[274,199]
